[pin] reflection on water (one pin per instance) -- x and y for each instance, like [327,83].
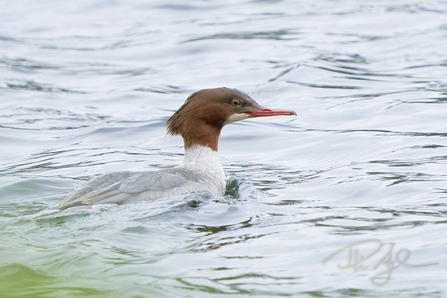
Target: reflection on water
[86,88]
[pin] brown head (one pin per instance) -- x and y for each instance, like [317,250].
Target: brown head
[202,116]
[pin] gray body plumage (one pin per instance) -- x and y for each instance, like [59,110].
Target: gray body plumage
[199,171]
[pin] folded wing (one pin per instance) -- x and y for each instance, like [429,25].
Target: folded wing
[126,187]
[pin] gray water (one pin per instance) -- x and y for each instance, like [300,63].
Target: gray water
[86,87]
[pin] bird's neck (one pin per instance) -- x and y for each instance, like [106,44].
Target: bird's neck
[203,159]
[201,133]
[200,155]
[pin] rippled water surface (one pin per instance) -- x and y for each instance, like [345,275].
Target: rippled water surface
[86,87]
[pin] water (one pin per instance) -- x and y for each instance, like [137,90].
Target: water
[86,87]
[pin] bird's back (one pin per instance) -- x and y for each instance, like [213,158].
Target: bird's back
[128,187]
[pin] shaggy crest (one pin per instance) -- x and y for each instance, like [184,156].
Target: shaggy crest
[176,121]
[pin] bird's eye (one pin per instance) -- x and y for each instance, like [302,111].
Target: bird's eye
[236,102]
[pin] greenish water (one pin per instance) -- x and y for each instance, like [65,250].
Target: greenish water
[86,87]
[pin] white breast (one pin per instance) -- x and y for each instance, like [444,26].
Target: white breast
[204,162]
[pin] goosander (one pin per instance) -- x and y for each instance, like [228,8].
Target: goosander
[199,121]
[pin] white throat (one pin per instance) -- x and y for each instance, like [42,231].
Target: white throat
[236,117]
